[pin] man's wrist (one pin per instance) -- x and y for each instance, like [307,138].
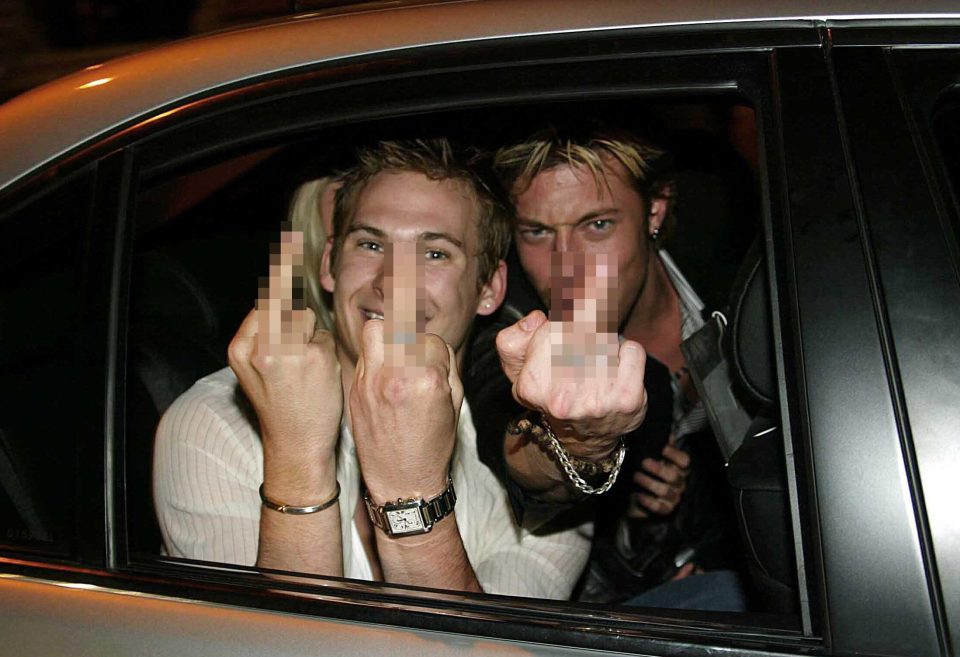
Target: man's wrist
[411,516]
[592,477]
[426,487]
[299,481]
[533,426]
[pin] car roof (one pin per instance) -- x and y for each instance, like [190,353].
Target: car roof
[54,119]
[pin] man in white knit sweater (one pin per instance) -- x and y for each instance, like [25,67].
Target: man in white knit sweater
[352,454]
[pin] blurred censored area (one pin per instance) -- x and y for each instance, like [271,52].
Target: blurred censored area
[280,306]
[282,310]
[404,303]
[583,315]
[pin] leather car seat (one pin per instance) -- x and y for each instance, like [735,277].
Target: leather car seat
[174,339]
[756,471]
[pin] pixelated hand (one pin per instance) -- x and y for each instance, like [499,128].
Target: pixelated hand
[406,395]
[573,368]
[288,369]
[663,481]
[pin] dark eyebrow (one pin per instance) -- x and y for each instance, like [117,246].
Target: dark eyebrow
[598,213]
[590,216]
[531,223]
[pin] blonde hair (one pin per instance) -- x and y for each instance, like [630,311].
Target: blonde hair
[307,214]
[647,165]
[437,159]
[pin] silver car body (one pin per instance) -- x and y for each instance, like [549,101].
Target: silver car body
[53,120]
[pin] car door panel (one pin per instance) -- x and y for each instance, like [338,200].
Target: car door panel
[856,449]
[892,92]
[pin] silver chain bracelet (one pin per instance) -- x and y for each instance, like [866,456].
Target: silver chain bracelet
[564,458]
[548,440]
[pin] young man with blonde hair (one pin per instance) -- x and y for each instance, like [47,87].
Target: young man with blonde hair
[599,201]
[357,457]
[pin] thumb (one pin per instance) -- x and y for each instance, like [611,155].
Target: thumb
[512,343]
[456,385]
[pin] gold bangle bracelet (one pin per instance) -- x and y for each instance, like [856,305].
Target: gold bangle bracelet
[298,510]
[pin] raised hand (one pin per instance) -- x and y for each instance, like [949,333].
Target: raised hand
[573,368]
[290,373]
[661,483]
[406,395]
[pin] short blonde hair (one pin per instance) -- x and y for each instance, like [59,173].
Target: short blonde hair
[648,165]
[437,159]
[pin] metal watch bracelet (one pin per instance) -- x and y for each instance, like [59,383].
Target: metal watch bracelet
[411,516]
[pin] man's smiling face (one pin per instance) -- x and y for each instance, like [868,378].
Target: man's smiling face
[411,240]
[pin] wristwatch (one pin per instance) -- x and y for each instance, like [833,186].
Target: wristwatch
[413,516]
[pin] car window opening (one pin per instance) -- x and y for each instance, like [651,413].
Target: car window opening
[204,241]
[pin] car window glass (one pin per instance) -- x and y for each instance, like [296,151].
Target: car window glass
[203,238]
[946,129]
[41,296]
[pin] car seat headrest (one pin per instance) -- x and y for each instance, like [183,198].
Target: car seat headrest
[169,295]
[749,337]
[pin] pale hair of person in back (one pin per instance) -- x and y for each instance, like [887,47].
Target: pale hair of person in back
[311,212]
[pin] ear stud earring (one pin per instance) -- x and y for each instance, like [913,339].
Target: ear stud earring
[655,235]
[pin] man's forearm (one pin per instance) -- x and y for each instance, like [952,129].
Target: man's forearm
[307,543]
[532,468]
[540,461]
[436,559]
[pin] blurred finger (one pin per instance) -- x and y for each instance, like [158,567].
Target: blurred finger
[566,284]
[634,510]
[597,309]
[303,323]
[654,486]
[665,470]
[657,505]
[404,297]
[677,456]
[276,298]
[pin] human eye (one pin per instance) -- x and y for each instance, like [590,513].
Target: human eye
[532,233]
[600,225]
[369,245]
[435,254]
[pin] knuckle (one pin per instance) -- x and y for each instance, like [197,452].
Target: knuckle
[559,407]
[263,362]
[435,378]
[592,407]
[504,340]
[394,389]
[236,353]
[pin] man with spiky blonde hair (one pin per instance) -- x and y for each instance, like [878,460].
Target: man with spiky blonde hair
[599,192]
[592,207]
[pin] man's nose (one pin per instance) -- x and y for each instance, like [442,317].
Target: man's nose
[378,279]
[563,241]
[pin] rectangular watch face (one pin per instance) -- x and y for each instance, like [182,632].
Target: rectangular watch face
[407,520]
